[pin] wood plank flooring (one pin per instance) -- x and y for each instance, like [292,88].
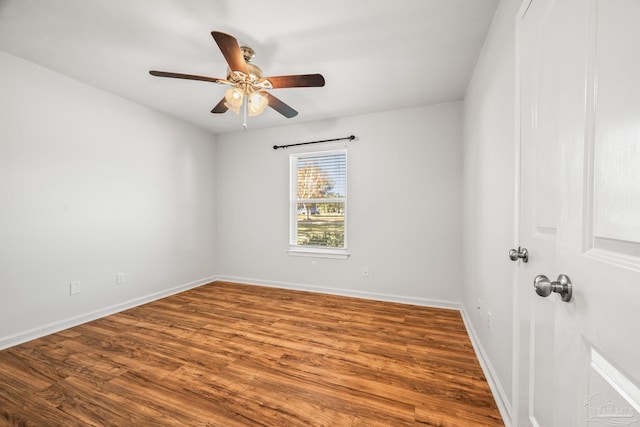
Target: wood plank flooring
[227,354]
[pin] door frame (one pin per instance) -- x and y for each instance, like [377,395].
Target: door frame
[517,209]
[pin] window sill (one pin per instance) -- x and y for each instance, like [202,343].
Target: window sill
[318,252]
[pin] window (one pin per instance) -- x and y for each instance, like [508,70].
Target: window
[318,204]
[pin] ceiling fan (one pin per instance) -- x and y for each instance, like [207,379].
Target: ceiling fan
[248,88]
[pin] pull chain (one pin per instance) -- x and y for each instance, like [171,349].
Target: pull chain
[245,109]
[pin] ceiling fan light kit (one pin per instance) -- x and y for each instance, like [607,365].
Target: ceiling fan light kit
[248,88]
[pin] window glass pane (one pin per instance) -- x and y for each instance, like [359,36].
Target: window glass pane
[318,200]
[320,224]
[322,177]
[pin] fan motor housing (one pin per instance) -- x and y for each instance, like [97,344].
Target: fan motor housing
[255,72]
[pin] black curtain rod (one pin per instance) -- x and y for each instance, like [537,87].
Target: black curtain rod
[350,138]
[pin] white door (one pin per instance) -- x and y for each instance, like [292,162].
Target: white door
[579,79]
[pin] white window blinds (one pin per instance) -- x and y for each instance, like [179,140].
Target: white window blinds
[318,200]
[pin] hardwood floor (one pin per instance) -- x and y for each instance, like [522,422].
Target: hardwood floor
[226,354]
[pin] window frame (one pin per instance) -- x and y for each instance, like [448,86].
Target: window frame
[308,250]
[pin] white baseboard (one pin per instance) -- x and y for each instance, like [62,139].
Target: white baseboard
[345,292]
[41,331]
[499,395]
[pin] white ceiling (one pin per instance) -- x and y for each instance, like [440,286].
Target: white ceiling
[375,55]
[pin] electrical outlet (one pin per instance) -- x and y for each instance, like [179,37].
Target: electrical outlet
[120,279]
[489,320]
[365,271]
[74,287]
[314,266]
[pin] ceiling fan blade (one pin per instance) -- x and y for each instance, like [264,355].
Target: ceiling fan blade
[220,107]
[299,80]
[281,107]
[231,51]
[187,76]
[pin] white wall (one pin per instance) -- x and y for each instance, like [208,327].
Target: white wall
[404,207]
[489,195]
[92,185]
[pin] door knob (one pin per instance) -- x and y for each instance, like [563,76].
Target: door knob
[544,287]
[521,253]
